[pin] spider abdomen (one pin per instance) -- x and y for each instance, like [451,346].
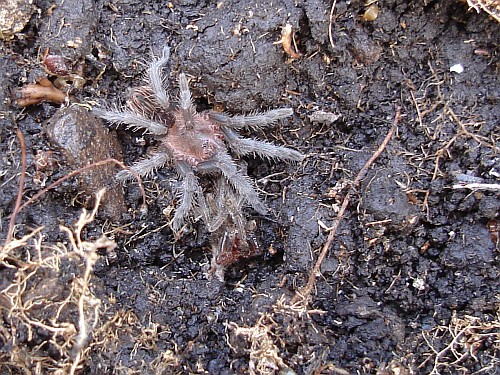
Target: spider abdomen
[194,145]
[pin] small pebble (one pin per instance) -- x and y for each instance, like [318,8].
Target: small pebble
[457,68]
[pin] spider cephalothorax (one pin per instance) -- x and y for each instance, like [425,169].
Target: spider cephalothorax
[198,143]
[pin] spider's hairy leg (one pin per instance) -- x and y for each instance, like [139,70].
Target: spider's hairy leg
[145,166]
[233,205]
[186,106]
[132,119]
[251,121]
[156,78]
[211,212]
[222,162]
[243,146]
[190,191]
[223,205]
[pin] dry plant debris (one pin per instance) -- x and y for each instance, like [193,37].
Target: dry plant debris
[492,7]
[263,351]
[47,307]
[462,340]
[265,342]
[124,332]
[443,115]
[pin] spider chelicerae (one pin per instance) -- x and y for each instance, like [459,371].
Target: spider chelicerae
[198,144]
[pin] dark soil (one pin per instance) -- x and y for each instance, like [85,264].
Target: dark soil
[411,282]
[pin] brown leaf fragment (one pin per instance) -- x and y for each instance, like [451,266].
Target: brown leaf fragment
[286,41]
[42,91]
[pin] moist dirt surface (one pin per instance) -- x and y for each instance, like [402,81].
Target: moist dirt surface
[410,283]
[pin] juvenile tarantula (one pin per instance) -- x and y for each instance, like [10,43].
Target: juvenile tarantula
[196,143]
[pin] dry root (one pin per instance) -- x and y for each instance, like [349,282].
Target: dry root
[263,351]
[492,7]
[47,307]
[466,339]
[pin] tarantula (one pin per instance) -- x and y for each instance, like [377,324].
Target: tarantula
[197,143]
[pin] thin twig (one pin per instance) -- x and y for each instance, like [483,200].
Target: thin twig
[478,186]
[306,291]
[17,207]
[83,169]
[330,36]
